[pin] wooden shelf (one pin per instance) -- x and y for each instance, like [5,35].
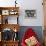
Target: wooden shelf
[9,43]
[4,13]
[5,8]
[10,26]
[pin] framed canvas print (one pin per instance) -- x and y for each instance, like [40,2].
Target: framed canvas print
[30,13]
[5,12]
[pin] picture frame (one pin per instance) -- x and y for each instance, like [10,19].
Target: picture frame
[30,13]
[5,12]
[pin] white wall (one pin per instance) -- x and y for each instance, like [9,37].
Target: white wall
[31,4]
[27,4]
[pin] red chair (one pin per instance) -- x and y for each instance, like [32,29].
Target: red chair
[29,33]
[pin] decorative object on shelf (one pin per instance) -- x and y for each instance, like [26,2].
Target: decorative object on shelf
[15,30]
[15,37]
[30,13]
[5,12]
[7,34]
[15,3]
[13,12]
[6,21]
[15,34]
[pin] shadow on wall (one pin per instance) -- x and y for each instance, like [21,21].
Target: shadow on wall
[37,29]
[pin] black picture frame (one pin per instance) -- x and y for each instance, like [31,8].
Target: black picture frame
[30,13]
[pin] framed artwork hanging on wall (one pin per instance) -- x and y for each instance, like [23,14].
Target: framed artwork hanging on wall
[30,13]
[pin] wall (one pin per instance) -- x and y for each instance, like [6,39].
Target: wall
[27,4]
[31,4]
